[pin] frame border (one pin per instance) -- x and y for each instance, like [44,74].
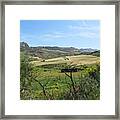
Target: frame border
[55,2]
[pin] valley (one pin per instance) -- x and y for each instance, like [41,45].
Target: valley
[41,76]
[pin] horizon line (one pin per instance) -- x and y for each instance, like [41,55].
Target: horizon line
[60,46]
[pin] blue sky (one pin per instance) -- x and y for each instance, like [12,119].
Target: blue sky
[64,33]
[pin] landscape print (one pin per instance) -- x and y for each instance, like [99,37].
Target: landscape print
[60,60]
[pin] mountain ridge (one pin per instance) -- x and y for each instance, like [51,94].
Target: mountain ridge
[55,51]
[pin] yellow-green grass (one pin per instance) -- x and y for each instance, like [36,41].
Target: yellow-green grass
[72,60]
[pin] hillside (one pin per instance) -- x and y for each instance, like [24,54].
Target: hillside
[69,60]
[47,52]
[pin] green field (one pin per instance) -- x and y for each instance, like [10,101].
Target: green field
[42,79]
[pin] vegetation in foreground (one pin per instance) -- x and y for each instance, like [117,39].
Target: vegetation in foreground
[47,82]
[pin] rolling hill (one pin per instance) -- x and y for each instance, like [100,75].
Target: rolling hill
[48,52]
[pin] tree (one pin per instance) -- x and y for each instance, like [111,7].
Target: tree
[25,76]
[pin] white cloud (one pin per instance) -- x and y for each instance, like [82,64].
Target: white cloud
[52,35]
[89,34]
[28,37]
[83,30]
[83,26]
[72,27]
[57,35]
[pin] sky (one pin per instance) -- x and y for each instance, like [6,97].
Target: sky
[62,33]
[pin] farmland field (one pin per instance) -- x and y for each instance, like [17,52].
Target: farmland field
[77,60]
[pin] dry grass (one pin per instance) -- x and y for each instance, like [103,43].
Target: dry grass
[73,60]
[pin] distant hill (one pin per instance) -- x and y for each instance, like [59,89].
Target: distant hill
[88,50]
[46,52]
[96,53]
